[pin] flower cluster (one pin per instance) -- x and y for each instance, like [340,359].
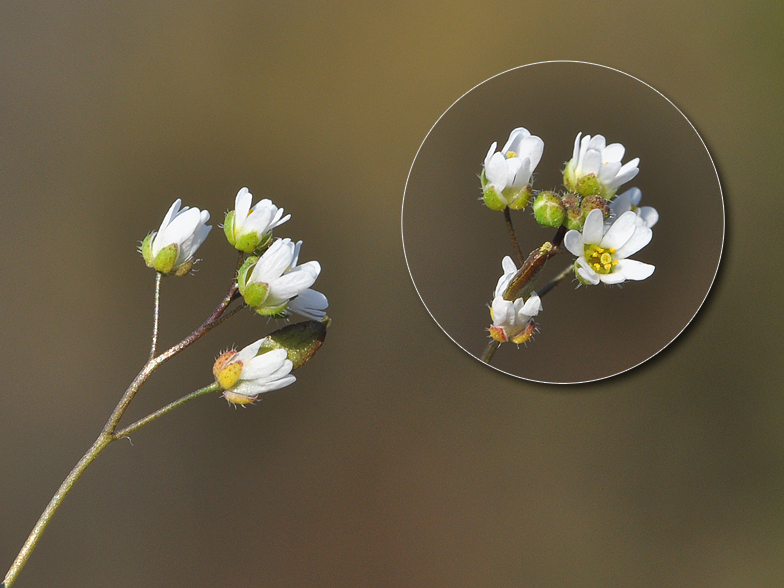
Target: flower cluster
[271,281]
[604,230]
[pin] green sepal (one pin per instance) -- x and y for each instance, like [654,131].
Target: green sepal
[301,341]
[278,311]
[492,199]
[588,185]
[520,200]
[147,250]
[228,227]
[255,293]
[242,274]
[483,179]
[165,260]
[579,277]
[247,242]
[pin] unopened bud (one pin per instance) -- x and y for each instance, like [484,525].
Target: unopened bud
[548,209]
[574,215]
[593,202]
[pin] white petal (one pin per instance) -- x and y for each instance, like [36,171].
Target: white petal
[576,151]
[586,272]
[274,262]
[634,270]
[292,283]
[495,171]
[620,231]
[242,203]
[573,241]
[503,312]
[593,229]
[532,147]
[264,365]
[248,352]
[591,162]
[532,306]
[508,264]
[649,216]
[613,152]
[490,153]
[639,239]
[616,277]
[310,304]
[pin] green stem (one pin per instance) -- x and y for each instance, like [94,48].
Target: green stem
[214,387]
[487,355]
[156,314]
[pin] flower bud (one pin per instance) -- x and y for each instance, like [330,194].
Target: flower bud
[594,201]
[548,209]
[250,228]
[252,371]
[574,215]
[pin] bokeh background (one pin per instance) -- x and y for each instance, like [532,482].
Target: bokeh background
[396,459]
[454,244]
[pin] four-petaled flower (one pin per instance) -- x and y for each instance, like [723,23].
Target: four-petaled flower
[602,250]
[507,173]
[513,321]
[268,283]
[248,228]
[170,250]
[629,200]
[245,374]
[595,167]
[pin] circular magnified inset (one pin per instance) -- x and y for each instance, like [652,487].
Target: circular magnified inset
[612,198]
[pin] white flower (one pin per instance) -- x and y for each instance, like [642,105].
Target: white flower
[269,282]
[510,269]
[245,374]
[509,171]
[170,250]
[629,200]
[595,167]
[248,228]
[513,321]
[602,250]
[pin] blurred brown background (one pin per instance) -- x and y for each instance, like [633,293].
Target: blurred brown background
[396,459]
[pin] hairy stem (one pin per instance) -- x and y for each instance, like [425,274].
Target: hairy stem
[513,236]
[155,314]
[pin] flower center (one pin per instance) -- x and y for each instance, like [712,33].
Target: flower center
[601,260]
[510,154]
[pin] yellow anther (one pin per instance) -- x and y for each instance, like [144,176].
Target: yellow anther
[510,154]
[595,254]
[596,265]
[607,266]
[612,250]
[600,250]
[615,262]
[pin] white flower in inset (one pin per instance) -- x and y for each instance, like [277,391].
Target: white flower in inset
[269,282]
[602,251]
[248,228]
[510,270]
[245,374]
[170,250]
[629,200]
[513,321]
[507,173]
[595,167]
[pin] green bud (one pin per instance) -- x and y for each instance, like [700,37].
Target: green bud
[548,209]
[594,201]
[492,199]
[574,215]
[521,199]
[301,340]
[587,185]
